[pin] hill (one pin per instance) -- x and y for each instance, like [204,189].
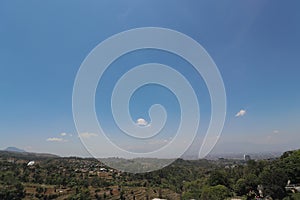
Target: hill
[4,154]
[87,178]
[14,149]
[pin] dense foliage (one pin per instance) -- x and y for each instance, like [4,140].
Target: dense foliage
[77,178]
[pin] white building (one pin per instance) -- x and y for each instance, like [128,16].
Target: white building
[31,163]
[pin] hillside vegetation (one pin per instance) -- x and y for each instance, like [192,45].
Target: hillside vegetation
[54,177]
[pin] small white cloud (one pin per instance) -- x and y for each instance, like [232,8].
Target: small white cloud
[88,135]
[141,122]
[276,131]
[54,139]
[241,113]
[63,134]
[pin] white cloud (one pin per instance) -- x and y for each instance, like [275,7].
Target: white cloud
[88,135]
[141,122]
[241,113]
[63,134]
[276,131]
[54,139]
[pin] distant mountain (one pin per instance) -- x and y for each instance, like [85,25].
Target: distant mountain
[14,149]
[25,155]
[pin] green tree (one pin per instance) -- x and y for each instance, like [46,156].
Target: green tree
[240,188]
[218,178]
[218,192]
[274,180]
[290,163]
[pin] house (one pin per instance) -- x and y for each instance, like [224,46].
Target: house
[30,163]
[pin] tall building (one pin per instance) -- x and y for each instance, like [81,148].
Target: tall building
[247,157]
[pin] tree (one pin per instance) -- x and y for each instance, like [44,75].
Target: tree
[218,178]
[246,184]
[218,192]
[190,195]
[240,187]
[290,163]
[274,180]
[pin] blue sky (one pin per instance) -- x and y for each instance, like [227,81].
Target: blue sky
[255,45]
